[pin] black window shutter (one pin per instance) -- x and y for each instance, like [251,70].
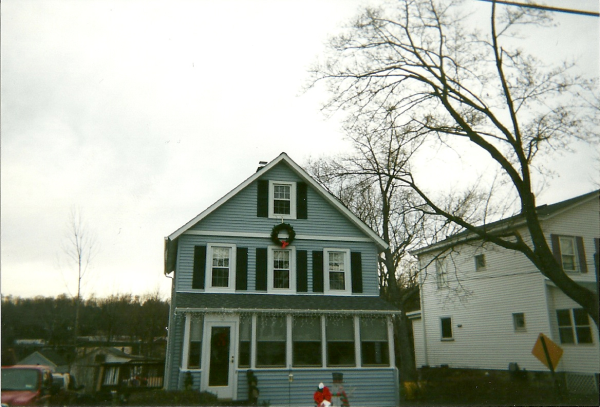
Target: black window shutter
[596,255]
[556,249]
[317,258]
[581,254]
[241,268]
[301,201]
[356,270]
[301,271]
[261,269]
[199,266]
[262,199]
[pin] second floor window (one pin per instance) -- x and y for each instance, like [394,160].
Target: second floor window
[281,273]
[337,271]
[220,268]
[441,273]
[568,253]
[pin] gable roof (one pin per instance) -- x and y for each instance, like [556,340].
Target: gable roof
[47,356]
[283,157]
[544,212]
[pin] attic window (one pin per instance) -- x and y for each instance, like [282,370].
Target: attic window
[282,202]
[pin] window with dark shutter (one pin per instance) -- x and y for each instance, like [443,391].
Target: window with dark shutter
[199,267]
[261,269]
[241,272]
[301,271]
[262,199]
[302,204]
[317,265]
[356,270]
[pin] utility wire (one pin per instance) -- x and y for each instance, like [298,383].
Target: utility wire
[549,8]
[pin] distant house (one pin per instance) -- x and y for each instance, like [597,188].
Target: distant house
[277,282]
[47,357]
[107,368]
[483,307]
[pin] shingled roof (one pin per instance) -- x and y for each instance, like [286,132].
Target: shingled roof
[206,302]
[544,212]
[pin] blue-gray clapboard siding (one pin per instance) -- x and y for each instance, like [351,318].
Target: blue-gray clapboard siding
[185,260]
[238,214]
[175,350]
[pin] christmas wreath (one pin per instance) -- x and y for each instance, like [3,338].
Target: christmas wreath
[275,234]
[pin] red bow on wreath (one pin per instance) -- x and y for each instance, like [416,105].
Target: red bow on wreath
[284,244]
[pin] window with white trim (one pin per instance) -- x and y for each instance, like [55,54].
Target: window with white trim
[282,200]
[568,251]
[340,342]
[281,269]
[519,322]
[220,267]
[306,347]
[194,348]
[271,336]
[574,326]
[245,341]
[446,328]
[441,272]
[375,350]
[337,271]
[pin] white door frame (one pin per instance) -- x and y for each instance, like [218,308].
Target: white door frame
[231,322]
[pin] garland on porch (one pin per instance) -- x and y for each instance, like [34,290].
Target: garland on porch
[281,227]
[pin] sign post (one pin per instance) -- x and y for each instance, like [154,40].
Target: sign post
[549,353]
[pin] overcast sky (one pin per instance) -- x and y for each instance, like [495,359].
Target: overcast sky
[143,113]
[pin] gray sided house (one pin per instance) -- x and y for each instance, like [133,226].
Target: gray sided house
[277,281]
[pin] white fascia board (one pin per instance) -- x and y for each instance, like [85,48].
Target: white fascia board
[304,175]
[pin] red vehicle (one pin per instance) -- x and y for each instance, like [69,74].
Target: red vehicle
[24,385]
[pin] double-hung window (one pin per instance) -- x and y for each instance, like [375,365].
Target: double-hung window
[375,350]
[480,262]
[574,326]
[271,334]
[220,266]
[337,271]
[282,202]
[282,271]
[441,272]
[568,253]
[306,348]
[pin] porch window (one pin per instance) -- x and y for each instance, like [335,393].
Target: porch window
[271,341]
[578,333]
[306,334]
[245,341]
[375,350]
[340,342]
[195,344]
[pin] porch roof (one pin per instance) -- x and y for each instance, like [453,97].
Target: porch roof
[297,303]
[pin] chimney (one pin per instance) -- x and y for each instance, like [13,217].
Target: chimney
[261,165]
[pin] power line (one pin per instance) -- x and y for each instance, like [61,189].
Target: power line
[549,8]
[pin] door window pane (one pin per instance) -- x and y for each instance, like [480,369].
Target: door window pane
[219,356]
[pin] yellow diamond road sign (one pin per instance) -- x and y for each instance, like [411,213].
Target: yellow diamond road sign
[550,356]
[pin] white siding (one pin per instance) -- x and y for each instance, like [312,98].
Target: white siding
[417,326]
[481,303]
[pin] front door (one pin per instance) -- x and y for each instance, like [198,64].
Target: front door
[220,363]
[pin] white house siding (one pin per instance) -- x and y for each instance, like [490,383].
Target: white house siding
[418,342]
[583,358]
[483,303]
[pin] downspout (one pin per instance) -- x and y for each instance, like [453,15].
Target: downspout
[422,299]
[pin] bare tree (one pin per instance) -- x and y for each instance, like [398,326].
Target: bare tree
[80,247]
[418,66]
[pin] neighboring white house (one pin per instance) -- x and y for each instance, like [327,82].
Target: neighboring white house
[483,307]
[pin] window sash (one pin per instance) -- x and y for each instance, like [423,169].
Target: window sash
[281,269]
[194,356]
[519,321]
[271,339]
[441,272]
[568,253]
[306,346]
[574,326]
